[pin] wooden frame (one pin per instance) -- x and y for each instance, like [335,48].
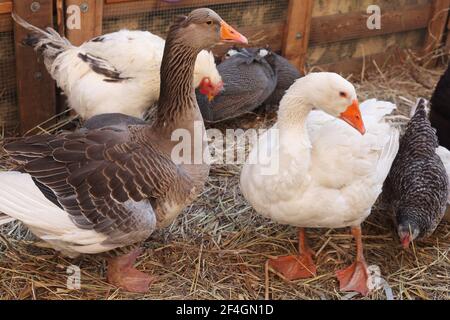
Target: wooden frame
[5,6]
[298,27]
[436,28]
[35,87]
[36,92]
[91,20]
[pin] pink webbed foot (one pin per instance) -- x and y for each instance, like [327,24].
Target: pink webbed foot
[122,274]
[354,278]
[294,267]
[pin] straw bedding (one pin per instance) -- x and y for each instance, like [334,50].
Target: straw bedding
[218,247]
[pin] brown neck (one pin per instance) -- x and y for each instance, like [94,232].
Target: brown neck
[177,95]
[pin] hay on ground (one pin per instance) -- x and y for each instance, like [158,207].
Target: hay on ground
[218,247]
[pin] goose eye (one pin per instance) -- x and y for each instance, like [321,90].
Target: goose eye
[343,94]
[209,22]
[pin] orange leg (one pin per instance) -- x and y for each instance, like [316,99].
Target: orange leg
[300,266]
[355,277]
[122,274]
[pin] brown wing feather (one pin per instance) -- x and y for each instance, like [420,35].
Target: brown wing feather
[102,178]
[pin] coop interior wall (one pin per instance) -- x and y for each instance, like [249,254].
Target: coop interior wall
[263,21]
[325,54]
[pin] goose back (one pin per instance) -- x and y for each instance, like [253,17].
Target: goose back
[248,81]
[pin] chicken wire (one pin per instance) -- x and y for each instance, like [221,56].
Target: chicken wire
[240,14]
[8,97]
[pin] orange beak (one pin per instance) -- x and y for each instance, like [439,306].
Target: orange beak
[228,34]
[353,117]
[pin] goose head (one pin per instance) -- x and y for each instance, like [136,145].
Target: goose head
[202,29]
[328,92]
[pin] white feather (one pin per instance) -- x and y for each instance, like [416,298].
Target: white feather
[21,199]
[329,174]
[136,55]
[444,154]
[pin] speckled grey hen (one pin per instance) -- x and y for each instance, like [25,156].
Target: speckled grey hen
[417,185]
[248,80]
[103,189]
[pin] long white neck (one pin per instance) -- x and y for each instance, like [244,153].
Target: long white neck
[292,116]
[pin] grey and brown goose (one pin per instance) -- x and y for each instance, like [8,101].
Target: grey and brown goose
[248,80]
[112,187]
[416,188]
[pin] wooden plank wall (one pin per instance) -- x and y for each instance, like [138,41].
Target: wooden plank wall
[348,31]
[5,19]
[437,25]
[302,30]
[297,32]
[35,87]
[91,20]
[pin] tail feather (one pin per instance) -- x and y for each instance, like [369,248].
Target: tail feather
[421,106]
[388,154]
[49,43]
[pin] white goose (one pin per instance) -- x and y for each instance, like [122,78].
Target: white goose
[444,154]
[114,73]
[327,175]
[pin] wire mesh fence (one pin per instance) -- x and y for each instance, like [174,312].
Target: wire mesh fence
[240,14]
[262,21]
[8,97]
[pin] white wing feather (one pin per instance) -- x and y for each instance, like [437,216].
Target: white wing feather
[21,199]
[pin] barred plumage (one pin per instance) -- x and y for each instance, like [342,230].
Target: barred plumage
[417,185]
[249,80]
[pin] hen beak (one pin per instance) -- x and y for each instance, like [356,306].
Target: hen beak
[209,89]
[405,240]
[353,117]
[228,34]
[213,93]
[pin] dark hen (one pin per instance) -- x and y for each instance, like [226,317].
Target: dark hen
[287,74]
[440,109]
[248,80]
[417,185]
